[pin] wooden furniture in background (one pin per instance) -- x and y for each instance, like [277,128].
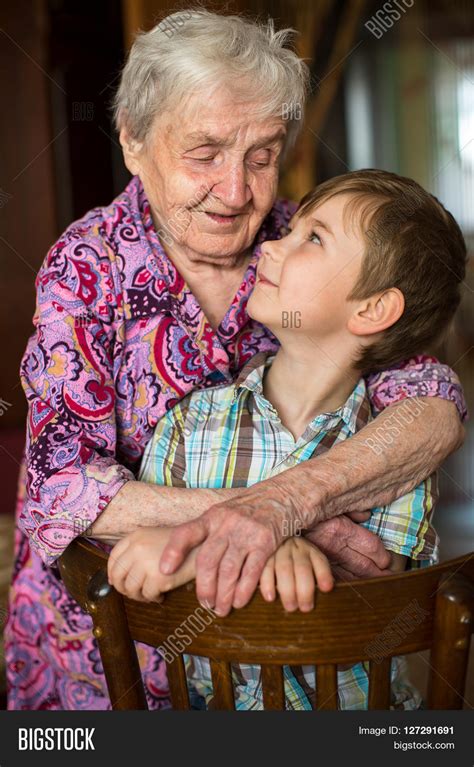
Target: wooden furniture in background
[27,196]
[340,629]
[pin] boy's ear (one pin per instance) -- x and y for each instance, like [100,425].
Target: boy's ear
[377,313]
[131,150]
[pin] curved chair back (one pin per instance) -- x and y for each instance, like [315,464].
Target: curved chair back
[431,608]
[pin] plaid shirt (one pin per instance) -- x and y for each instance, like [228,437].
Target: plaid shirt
[231,436]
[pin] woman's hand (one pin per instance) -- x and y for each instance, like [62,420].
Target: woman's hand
[353,551]
[236,538]
[293,571]
[133,565]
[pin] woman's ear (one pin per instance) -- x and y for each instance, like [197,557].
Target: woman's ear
[131,150]
[377,313]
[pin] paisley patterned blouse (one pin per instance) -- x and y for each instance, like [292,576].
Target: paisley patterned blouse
[119,339]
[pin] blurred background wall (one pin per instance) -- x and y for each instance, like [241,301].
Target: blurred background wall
[392,87]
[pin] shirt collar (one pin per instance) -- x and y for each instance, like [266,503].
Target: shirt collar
[355,412]
[251,375]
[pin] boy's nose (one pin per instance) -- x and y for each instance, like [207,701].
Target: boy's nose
[273,249]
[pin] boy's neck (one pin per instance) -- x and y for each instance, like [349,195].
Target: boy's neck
[305,381]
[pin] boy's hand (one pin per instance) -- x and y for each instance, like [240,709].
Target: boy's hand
[133,565]
[295,567]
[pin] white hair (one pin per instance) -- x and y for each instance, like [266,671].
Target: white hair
[195,48]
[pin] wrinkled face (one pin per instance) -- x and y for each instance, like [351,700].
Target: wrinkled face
[210,170]
[303,279]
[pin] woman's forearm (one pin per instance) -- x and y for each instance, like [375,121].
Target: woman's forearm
[383,461]
[358,474]
[142,504]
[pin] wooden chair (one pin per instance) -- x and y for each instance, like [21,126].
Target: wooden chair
[431,608]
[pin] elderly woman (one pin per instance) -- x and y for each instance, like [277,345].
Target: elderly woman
[144,300]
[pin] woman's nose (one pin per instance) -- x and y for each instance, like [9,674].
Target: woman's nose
[233,190]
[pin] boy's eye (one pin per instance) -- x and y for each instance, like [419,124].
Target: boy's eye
[314,237]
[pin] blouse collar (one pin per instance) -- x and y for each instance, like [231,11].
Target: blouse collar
[181,302]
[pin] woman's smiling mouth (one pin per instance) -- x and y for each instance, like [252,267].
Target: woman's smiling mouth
[221,218]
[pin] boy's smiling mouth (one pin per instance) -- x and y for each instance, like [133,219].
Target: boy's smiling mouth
[261,278]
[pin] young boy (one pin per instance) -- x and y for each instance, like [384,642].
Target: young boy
[369,274]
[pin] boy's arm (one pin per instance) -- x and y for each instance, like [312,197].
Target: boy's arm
[133,565]
[160,497]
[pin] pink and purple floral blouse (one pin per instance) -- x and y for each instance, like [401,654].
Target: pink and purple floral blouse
[119,339]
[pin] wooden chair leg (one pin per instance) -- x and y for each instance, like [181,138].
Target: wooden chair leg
[454,619]
[117,649]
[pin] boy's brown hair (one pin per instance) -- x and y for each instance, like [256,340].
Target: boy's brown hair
[413,244]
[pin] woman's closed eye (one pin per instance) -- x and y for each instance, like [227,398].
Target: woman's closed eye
[203,153]
[208,158]
[203,159]
[259,159]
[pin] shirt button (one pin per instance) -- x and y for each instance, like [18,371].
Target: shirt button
[291,460]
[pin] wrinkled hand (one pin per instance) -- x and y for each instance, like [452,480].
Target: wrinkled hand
[354,551]
[237,539]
